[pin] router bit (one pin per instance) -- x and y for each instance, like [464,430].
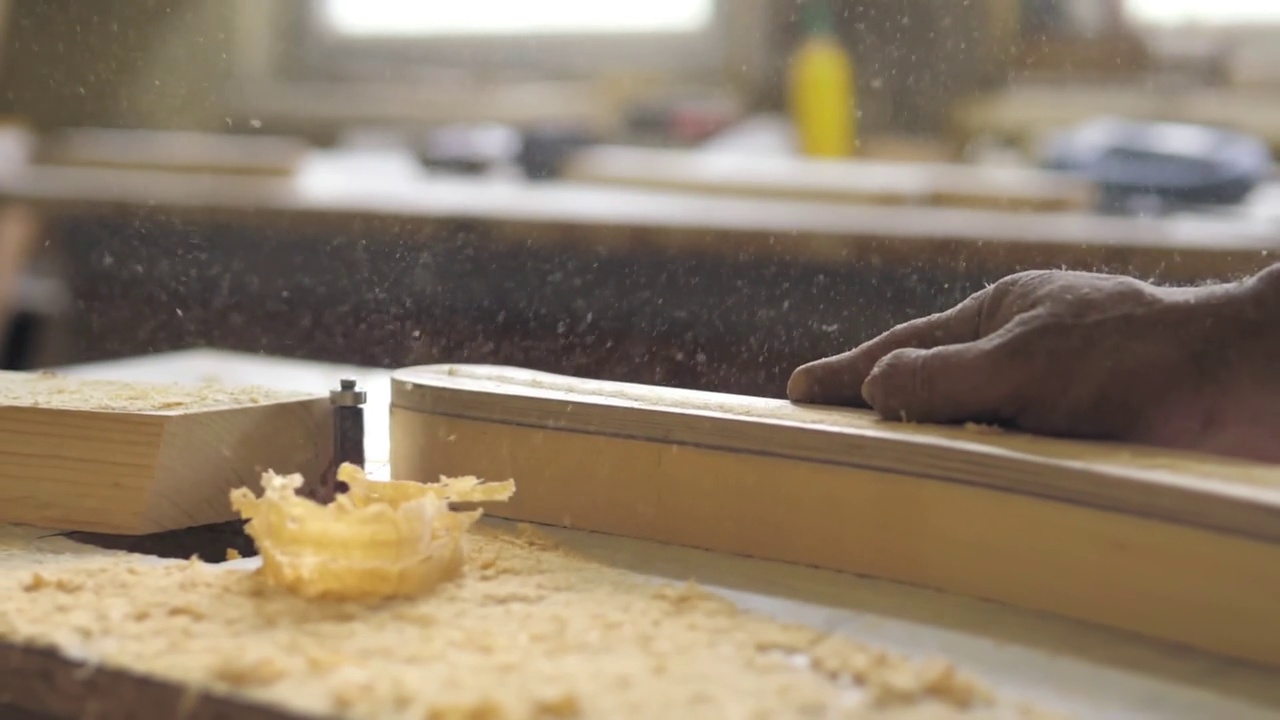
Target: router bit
[348,436]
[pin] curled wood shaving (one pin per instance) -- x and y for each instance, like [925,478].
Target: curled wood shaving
[377,540]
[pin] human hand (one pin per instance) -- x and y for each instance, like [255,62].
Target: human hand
[1074,354]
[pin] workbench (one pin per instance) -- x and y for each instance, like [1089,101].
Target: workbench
[1068,666]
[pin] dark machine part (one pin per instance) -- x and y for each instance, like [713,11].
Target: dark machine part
[545,149]
[348,427]
[40,304]
[539,152]
[1155,167]
[469,149]
[210,543]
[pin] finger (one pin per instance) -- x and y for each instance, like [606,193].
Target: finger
[838,380]
[977,381]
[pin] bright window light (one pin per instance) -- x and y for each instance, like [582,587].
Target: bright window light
[1217,12]
[514,17]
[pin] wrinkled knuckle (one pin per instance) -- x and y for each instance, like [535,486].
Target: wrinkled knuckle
[1026,276]
[1016,285]
[919,376]
[1028,280]
[909,381]
[890,383]
[990,315]
[1031,332]
[1025,361]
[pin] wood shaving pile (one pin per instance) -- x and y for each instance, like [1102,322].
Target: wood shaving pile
[69,393]
[529,631]
[377,540]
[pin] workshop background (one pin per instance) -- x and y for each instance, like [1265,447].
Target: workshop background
[697,193]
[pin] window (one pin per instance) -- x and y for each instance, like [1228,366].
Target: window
[419,60]
[406,18]
[422,41]
[1219,12]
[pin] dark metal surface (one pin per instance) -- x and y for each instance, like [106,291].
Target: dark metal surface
[734,312]
[348,430]
[208,542]
[373,293]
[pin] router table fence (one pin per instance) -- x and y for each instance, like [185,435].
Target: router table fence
[1078,668]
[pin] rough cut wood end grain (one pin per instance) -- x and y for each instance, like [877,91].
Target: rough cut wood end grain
[133,458]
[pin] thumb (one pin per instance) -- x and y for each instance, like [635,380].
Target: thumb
[971,382]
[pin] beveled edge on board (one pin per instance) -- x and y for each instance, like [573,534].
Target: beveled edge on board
[1225,495]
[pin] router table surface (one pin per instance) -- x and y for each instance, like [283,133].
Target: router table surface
[1072,667]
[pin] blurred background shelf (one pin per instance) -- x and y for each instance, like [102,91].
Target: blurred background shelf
[623,201]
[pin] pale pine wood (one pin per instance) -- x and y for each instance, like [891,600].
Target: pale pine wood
[194,152]
[72,466]
[844,181]
[1178,547]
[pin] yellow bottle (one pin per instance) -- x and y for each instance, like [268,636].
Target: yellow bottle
[821,88]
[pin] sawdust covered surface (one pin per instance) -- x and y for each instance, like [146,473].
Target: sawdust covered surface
[528,631]
[72,393]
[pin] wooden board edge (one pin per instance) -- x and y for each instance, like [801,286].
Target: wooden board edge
[83,511]
[1189,586]
[40,680]
[1126,479]
[201,441]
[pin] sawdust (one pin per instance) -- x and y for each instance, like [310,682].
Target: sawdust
[529,631]
[46,390]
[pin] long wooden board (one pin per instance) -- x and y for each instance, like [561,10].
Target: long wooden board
[1178,547]
[843,181]
[128,458]
[181,151]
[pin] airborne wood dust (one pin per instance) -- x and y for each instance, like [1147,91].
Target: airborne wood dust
[530,631]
